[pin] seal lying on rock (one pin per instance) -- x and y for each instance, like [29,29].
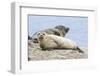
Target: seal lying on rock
[59,30]
[56,42]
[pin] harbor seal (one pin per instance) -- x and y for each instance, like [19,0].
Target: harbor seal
[59,30]
[56,42]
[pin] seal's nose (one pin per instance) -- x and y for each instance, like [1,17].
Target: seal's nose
[67,29]
[41,35]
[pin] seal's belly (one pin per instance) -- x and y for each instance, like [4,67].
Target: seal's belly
[48,44]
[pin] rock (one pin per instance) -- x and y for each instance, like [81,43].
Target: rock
[36,53]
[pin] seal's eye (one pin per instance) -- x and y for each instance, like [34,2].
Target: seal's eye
[43,34]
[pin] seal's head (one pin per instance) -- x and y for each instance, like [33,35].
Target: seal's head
[62,28]
[41,35]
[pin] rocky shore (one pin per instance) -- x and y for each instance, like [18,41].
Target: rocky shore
[36,53]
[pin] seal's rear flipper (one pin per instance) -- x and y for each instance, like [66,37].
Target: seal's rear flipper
[79,50]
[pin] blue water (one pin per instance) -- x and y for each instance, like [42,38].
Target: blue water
[78,26]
